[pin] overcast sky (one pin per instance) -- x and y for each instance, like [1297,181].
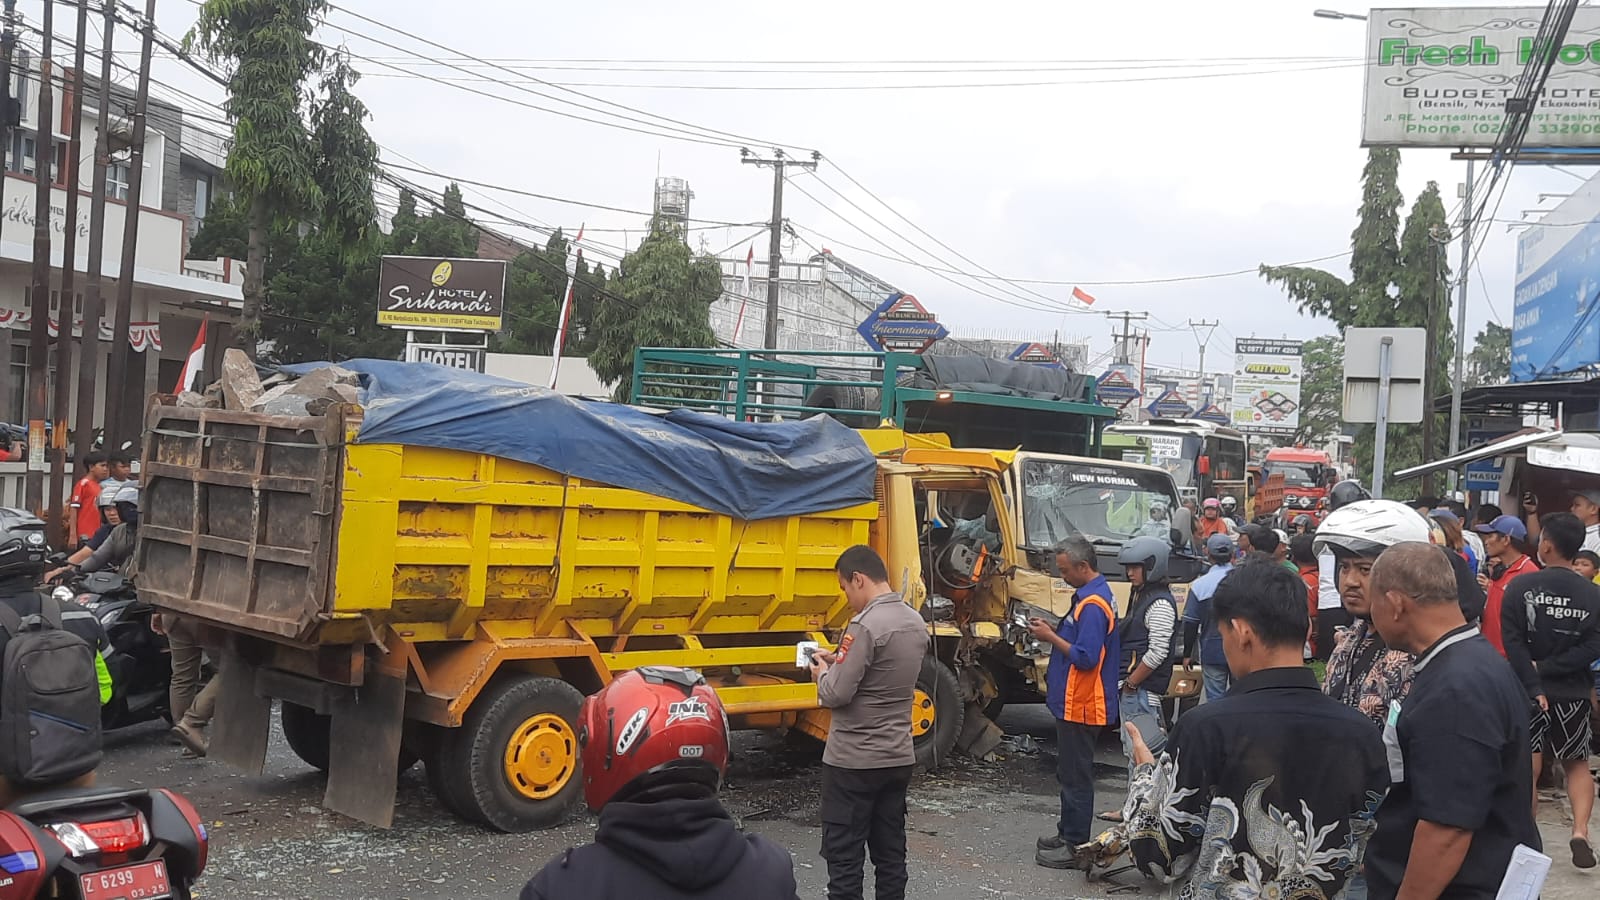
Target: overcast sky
[1138,169]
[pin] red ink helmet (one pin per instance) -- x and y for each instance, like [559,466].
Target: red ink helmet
[655,724]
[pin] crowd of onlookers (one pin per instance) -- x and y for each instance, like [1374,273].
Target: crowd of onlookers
[1457,656]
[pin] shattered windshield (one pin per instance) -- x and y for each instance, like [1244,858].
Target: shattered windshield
[1064,498]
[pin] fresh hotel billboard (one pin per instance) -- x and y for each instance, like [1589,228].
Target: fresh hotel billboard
[1440,77]
[423,292]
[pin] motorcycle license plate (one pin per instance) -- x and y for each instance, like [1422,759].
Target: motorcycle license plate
[146,881]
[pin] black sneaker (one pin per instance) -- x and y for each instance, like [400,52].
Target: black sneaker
[1050,842]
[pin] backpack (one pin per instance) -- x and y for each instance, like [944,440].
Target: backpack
[49,699]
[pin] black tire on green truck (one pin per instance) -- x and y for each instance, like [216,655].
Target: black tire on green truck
[937,713]
[309,735]
[513,765]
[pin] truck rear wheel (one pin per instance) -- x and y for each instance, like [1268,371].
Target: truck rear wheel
[513,765]
[937,713]
[309,735]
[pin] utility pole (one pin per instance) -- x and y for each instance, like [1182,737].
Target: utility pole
[8,46]
[1461,317]
[120,422]
[69,266]
[1210,327]
[39,334]
[1125,337]
[93,304]
[779,162]
[1431,352]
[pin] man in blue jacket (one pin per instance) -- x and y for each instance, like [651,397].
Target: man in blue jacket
[1200,632]
[1081,692]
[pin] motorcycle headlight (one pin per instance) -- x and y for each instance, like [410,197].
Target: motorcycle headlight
[63,594]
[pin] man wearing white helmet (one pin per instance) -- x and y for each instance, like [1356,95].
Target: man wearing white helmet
[1362,671]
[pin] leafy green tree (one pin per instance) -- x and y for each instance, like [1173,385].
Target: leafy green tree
[445,231]
[1321,390]
[1396,278]
[283,171]
[1489,360]
[661,297]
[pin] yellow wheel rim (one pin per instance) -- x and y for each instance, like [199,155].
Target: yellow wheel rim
[922,713]
[541,756]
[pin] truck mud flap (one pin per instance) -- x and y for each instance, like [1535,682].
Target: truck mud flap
[363,764]
[243,719]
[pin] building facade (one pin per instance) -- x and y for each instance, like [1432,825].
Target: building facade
[171,294]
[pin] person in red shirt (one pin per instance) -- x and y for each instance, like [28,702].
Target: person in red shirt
[1503,542]
[85,497]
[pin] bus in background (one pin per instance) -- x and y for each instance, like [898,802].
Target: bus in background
[1204,459]
[1307,475]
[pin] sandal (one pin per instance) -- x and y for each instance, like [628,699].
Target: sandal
[1582,853]
[1111,816]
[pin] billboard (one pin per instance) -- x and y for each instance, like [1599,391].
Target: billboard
[429,292]
[901,322]
[1266,386]
[1440,77]
[1555,327]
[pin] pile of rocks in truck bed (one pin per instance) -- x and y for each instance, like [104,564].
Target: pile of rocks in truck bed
[242,388]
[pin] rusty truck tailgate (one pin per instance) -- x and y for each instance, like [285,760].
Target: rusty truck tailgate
[238,522]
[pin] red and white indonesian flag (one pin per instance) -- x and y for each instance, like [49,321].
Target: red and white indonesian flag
[574,257]
[1083,296]
[195,361]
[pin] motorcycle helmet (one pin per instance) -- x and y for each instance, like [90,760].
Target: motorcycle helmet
[127,502]
[1302,521]
[655,724]
[1229,504]
[1346,492]
[1150,552]
[23,550]
[1366,528]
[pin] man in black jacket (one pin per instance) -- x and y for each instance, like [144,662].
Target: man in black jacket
[655,746]
[1550,620]
[1271,789]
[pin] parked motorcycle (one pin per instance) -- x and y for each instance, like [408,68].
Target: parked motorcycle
[101,843]
[139,661]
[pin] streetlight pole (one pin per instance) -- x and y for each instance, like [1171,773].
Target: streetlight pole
[1335,14]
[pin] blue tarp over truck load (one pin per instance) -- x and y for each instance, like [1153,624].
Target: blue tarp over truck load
[742,469]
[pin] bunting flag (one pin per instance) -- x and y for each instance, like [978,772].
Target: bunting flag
[195,361]
[574,259]
[744,293]
[1082,296]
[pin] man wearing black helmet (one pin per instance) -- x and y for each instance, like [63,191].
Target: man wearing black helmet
[1146,634]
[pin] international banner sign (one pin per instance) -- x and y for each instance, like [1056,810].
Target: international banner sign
[1266,386]
[423,292]
[1440,77]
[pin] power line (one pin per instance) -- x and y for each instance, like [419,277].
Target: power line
[402,73]
[718,65]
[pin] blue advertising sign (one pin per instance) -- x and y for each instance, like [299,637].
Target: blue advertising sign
[1171,405]
[1555,327]
[1484,475]
[1036,353]
[901,323]
[1114,389]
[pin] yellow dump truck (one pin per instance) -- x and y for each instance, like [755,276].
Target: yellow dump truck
[408,602]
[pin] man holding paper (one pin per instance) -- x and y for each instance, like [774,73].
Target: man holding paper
[1457,744]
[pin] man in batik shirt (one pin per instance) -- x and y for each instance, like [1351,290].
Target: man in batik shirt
[1271,790]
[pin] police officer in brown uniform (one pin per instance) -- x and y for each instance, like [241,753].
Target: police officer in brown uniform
[868,683]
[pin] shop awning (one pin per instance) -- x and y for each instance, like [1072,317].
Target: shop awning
[1501,447]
